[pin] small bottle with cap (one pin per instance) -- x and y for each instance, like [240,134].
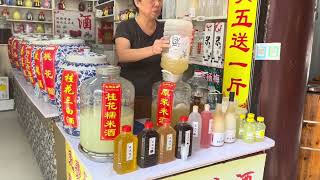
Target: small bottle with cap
[241,126]
[217,124]
[167,142]
[195,121]
[148,141]
[249,131]
[125,151]
[206,117]
[260,129]
[230,121]
[184,133]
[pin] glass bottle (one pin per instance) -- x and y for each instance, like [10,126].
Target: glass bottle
[169,9]
[217,124]
[202,8]
[206,135]
[230,121]
[241,126]
[167,142]
[93,110]
[184,136]
[249,131]
[181,99]
[199,89]
[260,129]
[125,151]
[196,123]
[148,141]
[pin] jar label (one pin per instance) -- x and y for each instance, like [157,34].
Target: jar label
[165,102]
[9,48]
[260,134]
[28,64]
[49,71]
[230,136]
[38,69]
[110,111]
[15,53]
[129,156]
[178,47]
[152,146]
[195,126]
[187,137]
[169,142]
[69,94]
[217,139]
[23,59]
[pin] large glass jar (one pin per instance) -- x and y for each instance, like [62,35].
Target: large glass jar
[93,95]
[175,59]
[181,99]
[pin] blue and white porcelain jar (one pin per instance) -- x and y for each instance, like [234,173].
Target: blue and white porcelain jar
[52,57]
[76,69]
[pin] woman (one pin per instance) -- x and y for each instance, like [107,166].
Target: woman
[139,44]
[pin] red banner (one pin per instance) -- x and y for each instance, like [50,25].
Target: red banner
[28,64]
[165,101]
[37,63]
[69,93]
[49,70]
[10,40]
[110,111]
[23,59]
[15,53]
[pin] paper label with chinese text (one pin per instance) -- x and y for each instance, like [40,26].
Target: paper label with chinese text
[218,45]
[217,139]
[208,44]
[178,47]
[195,126]
[29,64]
[110,111]
[23,59]
[15,53]
[230,136]
[129,156]
[187,137]
[37,62]
[165,102]
[49,70]
[169,142]
[152,146]
[69,94]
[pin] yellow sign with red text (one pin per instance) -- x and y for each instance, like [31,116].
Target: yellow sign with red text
[74,168]
[251,168]
[241,25]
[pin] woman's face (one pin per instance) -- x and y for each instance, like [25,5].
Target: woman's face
[149,8]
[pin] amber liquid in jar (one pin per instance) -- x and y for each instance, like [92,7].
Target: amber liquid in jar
[167,146]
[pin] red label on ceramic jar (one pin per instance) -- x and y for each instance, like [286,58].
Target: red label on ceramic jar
[38,69]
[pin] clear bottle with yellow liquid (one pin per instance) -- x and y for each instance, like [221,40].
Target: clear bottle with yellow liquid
[249,131]
[125,151]
[242,123]
[260,129]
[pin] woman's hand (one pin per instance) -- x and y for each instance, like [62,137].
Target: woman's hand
[159,45]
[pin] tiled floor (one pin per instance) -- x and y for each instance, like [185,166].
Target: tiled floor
[16,159]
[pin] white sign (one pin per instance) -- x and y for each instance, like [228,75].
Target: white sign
[4,88]
[268,51]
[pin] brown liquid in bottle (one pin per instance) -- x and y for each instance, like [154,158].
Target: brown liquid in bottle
[167,139]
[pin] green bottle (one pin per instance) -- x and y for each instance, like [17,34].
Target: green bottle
[241,126]
[260,129]
[249,131]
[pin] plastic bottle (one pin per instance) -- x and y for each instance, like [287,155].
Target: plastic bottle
[217,124]
[230,121]
[148,141]
[125,151]
[260,129]
[249,131]
[184,133]
[167,142]
[196,123]
[241,126]
[206,135]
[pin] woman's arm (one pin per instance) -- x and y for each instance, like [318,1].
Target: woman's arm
[126,54]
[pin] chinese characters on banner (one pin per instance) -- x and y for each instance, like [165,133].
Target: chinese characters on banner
[69,94]
[38,69]
[239,48]
[165,102]
[23,59]
[77,24]
[49,71]
[10,40]
[28,64]
[74,168]
[111,111]
[15,53]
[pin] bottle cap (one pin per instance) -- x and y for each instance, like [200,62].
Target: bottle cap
[219,98]
[167,121]
[231,96]
[183,118]
[250,120]
[195,109]
[242,116]
[251,115]
[197,73]
[126,128]
[260,119]
[207,107]
[148,124]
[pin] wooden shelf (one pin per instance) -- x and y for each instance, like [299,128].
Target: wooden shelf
[27,21]
[100,6]
[23,7]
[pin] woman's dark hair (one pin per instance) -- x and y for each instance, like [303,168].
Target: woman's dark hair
[135,6]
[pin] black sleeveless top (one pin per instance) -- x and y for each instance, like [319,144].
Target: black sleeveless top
[144,72]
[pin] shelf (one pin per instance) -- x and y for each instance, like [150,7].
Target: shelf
[200,18]
[23,7]
[27,21]
[200,63]
[104,4]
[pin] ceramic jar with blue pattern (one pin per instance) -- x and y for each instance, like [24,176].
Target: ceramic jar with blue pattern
[76,69]
[54,56]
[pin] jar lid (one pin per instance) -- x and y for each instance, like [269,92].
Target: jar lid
[148,124]
[183,118]
[126,128]
[87,58]
[108,70]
